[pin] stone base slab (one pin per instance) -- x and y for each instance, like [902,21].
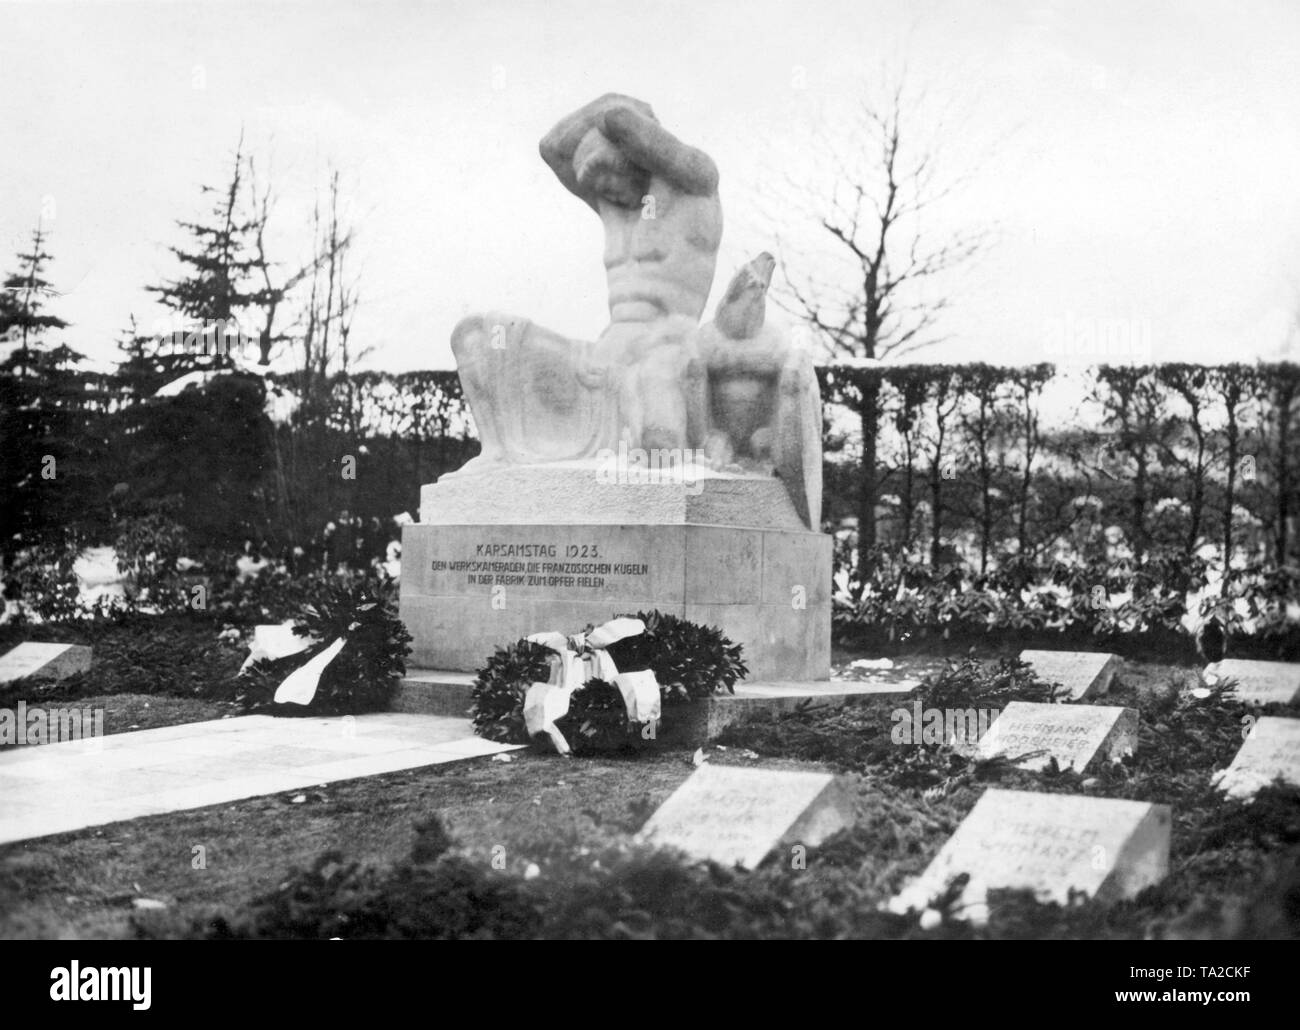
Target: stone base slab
[470,589]
[441,692]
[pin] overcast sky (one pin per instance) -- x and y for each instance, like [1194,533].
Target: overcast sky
[1136,161]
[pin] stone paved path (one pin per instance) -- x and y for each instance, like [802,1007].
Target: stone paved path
[56,788]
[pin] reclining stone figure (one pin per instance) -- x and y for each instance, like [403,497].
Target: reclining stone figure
[654,379]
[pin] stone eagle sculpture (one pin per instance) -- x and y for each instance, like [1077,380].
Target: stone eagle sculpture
[764,404]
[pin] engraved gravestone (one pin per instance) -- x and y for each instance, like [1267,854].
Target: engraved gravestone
[44,661]
[1259,683]
[736,816]
[1050,844]
[1082,674]
[1271,750]
[1075,735]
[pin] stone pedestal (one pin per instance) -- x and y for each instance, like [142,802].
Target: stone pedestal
[608,493]
[473,585]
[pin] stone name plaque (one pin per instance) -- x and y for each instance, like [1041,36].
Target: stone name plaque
[1075,735]
[1083,674]
[1050,844]
[736,816]
[1260,683]
[1271,750]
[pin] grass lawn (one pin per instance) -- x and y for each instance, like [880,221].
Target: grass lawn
[145,673]
[83,884]
[125,713]
[551,839]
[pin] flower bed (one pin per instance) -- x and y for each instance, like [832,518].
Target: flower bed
[1127,605]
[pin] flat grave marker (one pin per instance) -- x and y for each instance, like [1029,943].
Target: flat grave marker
[1075,735]
[1050,844]
[1083,674]
[43,661]
[1272,749]
[738,816]
[1259,683]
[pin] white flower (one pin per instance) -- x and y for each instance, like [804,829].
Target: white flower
[280,405]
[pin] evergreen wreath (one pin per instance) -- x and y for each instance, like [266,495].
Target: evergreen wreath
[690,661]
[362,677]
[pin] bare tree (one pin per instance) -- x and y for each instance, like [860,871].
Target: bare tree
[1190,451]
[1133,406]
[984,421]
[272,294]
[324,294]
[1278,422]
[332,298]
[874,298]
[947,398]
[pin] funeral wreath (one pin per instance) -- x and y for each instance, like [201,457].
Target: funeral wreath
[604,688]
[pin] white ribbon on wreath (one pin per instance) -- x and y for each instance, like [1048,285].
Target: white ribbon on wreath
[578,659]
[272,642]
[299,687]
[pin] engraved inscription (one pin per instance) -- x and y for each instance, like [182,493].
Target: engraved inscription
[530,564]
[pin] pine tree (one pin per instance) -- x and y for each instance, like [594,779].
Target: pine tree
[42,410]
[22,298]
[214,296]
[197,456]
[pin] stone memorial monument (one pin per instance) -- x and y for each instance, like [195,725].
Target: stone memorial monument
[665,464]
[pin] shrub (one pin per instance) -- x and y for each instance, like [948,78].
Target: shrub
[432,896]
[970,683]
[859,737]
[1125,603]
[617,892]
[43,581]
[273,595]
[149,547]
